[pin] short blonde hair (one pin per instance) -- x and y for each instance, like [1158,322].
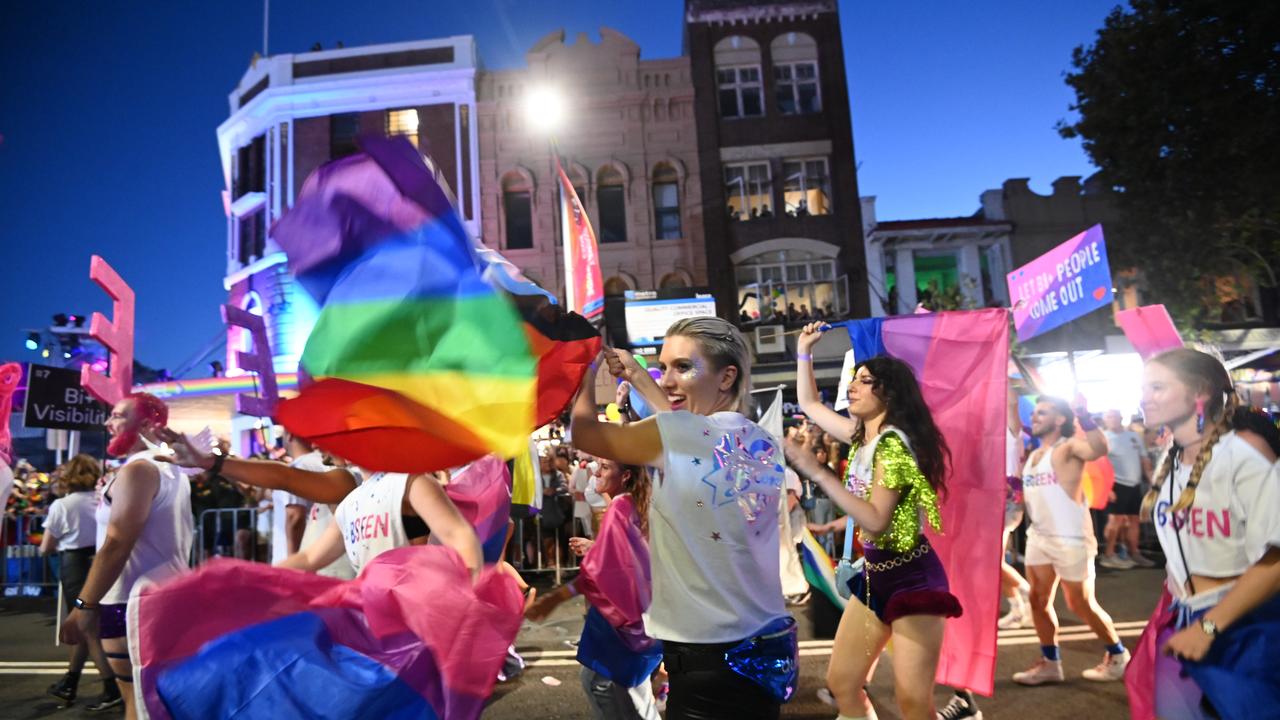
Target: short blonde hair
[723,345]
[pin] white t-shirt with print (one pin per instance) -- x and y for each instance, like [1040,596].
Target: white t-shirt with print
[713,529]
[370,518]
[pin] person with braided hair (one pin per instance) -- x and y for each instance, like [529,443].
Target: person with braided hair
[1215,502]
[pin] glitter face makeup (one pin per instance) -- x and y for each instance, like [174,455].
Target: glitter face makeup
[687,377]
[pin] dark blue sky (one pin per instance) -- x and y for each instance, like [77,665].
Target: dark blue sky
[108,112]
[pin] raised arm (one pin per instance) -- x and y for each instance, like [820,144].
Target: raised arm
[637,443]
[810,401]
[1091,444]
[326,487]
[428,500]
[623,365]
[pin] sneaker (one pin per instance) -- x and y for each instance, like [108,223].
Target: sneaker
[826,697]
[108,700]
[1142,561]
[1110,669]
[65,689]
[962,706]
[1015,618]
[1044,672]
[1115,562]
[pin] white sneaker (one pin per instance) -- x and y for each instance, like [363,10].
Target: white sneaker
[1044,672]
[1115,562]
[1110,669]
[1015,618]
[1142,561]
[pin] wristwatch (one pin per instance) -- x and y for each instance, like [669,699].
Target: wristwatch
[1209,627]
[82,605]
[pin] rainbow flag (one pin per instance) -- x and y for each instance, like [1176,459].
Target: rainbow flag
[961,360]
[819,569]
[482,493]
[412,637]
[420,363]
[1099,478]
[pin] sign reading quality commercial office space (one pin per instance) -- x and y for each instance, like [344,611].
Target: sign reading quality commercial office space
[56,400]
[1069,281]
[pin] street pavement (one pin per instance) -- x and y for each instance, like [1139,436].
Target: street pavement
[550,688]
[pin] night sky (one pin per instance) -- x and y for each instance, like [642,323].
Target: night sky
[108,114]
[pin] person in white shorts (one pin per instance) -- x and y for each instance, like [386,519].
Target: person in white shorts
[1060,541]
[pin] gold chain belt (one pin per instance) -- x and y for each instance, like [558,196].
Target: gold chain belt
[921,550]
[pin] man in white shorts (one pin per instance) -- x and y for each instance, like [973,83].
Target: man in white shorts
[1060,541]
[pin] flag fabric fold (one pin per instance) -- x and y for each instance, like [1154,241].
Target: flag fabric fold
[960,359]
[482,493]
[584,287]
[411,637]
[819,569]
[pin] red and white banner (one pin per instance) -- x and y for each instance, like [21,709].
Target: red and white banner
[583,287]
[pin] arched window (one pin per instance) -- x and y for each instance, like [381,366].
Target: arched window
[616,286]
[611,200]
[795,74]
[738,78]
[517,209]
[578,179]
[666,203]
[673,280]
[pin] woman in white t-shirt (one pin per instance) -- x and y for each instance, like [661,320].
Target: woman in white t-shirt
[713,522]
[72,530]
[1216,507]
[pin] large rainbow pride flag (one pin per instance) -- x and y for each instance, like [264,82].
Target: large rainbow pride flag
[412,637]
[960,359]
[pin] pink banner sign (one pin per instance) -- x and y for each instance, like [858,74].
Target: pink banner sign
[1069,281]
[584,288]
[259,361]
[1149,329]
[116,335]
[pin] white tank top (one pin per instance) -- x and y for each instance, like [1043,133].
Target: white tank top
[370,520]
[1053,513]
[164,545]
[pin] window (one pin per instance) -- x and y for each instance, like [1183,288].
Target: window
[517,210]
[343,130]
[738,77]
[666,203]
[251,163]
[403,122]
[790,286]
[806,187]
[795,74]
[611,199]
[252,235]
[749,190]
[796,88]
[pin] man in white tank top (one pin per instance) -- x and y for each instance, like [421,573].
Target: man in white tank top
[144,529]
[1060,541]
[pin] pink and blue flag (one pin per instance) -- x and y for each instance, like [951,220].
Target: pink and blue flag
[482,493]
[412,637]
[961,360]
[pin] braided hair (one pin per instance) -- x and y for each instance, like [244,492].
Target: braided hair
[1203,374]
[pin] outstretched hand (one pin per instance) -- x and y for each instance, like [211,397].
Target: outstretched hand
[182,452]
[810,335]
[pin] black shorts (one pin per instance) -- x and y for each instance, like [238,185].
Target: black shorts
[73,570]
[1128,500]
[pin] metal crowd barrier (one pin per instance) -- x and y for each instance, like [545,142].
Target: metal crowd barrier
[25,572]
[561,560]
[231,532]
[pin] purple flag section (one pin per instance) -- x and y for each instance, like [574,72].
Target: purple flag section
[271,642]
[482,493]
[960,359]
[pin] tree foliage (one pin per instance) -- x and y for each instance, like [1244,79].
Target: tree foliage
[1179,106]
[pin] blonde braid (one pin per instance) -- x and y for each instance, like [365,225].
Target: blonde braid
[1161,477]
[1203,457]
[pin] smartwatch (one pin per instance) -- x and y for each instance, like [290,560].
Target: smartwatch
[80,604]
[1209,627]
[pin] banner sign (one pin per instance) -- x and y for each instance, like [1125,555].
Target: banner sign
[116,335]
[258,360]
[584,288]
[1149,329]
[56,400]
[1065,283]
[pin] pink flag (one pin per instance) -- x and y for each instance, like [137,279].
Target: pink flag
[615,572]
[1150,329]
[583,287]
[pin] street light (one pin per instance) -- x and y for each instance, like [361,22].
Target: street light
[544,109]
[33,341]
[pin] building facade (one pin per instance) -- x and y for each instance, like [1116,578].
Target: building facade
[627,138]
[292,113]
[782,213]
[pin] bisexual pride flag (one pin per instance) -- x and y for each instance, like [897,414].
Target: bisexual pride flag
[482,493]
[961,360]
[412,637]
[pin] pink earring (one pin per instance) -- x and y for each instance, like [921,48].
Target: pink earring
[1200,415]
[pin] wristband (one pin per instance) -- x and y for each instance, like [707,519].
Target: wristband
[82,605]
[1085,420]
[573,591]
[216,469]
[804,357]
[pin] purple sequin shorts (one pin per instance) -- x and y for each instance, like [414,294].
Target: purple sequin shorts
[915,583]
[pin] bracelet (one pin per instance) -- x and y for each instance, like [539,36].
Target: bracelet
[218,460]
[1085,421]
[573,590]
[804,357]
[80,604]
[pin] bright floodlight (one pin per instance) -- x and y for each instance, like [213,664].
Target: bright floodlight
[544,110]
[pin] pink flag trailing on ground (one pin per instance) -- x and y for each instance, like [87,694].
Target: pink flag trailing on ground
[482,493]
[1149,329]
[961,359]
[412,637]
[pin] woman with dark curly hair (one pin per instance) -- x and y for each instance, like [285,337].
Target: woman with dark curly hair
[896,474]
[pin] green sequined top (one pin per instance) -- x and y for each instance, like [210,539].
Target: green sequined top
[901,473]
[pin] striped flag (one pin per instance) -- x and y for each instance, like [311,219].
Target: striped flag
[584,288]
[819,569]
